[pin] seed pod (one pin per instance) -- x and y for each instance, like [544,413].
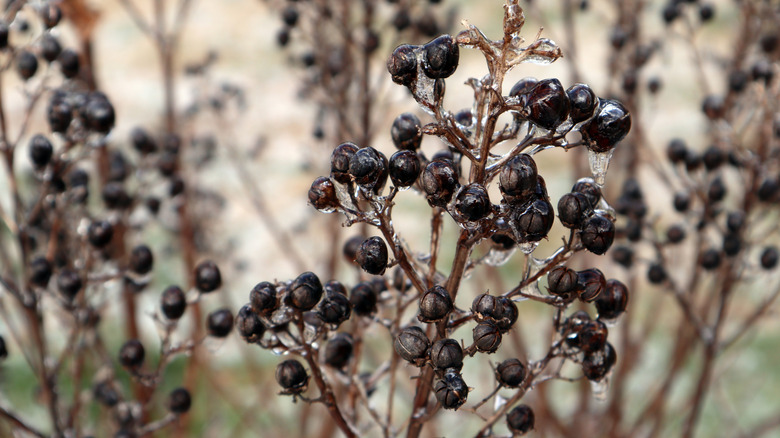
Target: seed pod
[105,394]
[173,303]
[446,354]
[508,314]
[547,105]
[682,202]
[562,281]
[339,162]
[291,376]
[611,123]
[69,63]
[596,365]
[520,420]
[677,151]
[487,337]
[485,307]
[593,336]
[406,132]
[142,141]
[518,178]
[583,102]
[656,274]
[305,291]
[713,107]
[473,202]
[675,233]
[717,190]
[573,209]
[59,114]
[732,244]
[322,195]
[710,259]
[41,151]
[534,221]
[207,277]
[263,298]
[179,401]
[769,257]
[510,373]
[220,323]
[405,168]
[451,391]
[249,325]
[598,233]
[69,283]
[367,167]
[440,57]
[572,326]
[590,284]
[351,247]
[338,350]
[412,344]
[402,64]
[588,187]
[26,64]
[363,298]
[132,353]
[100,233]
[141,260]
[40,271]
[99,113]
[613,300]
[735,221]
[435,304]
[372,255]
[335,308]
[439,181]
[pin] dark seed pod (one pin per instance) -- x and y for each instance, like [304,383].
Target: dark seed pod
[402,64]
[69,63]
[69,283]
[363,298]
[692,161]
[207,277]
[713,107]
[523,86]
[335,308]
[612,302]
[518,178]
[572,326]
[291,376]
[656,274]
[735,220]
[105,394]
[59,114]
[508,314]
[263,298]
[682,201]
[335,286]
[583,102]
[338,350]
[220,323]
[487,337]
[26,64]
[439,181]
[290,16]
[322,195]
[473,202]
[713,158]
[132,353]
[611,123]
[510,373]
[435,304]
[248,324]
[50,47]
[593,336]
[50,14]
[179,401]
[406,132]
[768,189]
[115,196]
[351,247]
[367,167]
[573,208]
[717,190]
[520,420]
[173,302]
[532,223]
[372,256]
[597,365]
[598,233]
[732,244]
[769,257]
[548,104]
[677,151]
[305,291]
[339,162]
[405,168]
[447,353]
[412,344]
[623,255]
[562,281]
[40,271]
[440,57]
[141,259]
[589,188]
[41,151]
[675,233]
[590,284]
[100,115]
[142,141]
[710,259]
[451,391]
[485,307]
[402,20]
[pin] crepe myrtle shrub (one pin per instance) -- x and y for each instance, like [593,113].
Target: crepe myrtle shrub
[396,282]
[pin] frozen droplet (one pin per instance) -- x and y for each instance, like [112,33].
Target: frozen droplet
[527,247]
[279,351]
[543,51]
[599,163]
[498,257]
[611,322]
[532,289]
[498,402]
[599,389]
[281,316]
[287,339]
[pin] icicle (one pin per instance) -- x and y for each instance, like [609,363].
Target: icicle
[599,163]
